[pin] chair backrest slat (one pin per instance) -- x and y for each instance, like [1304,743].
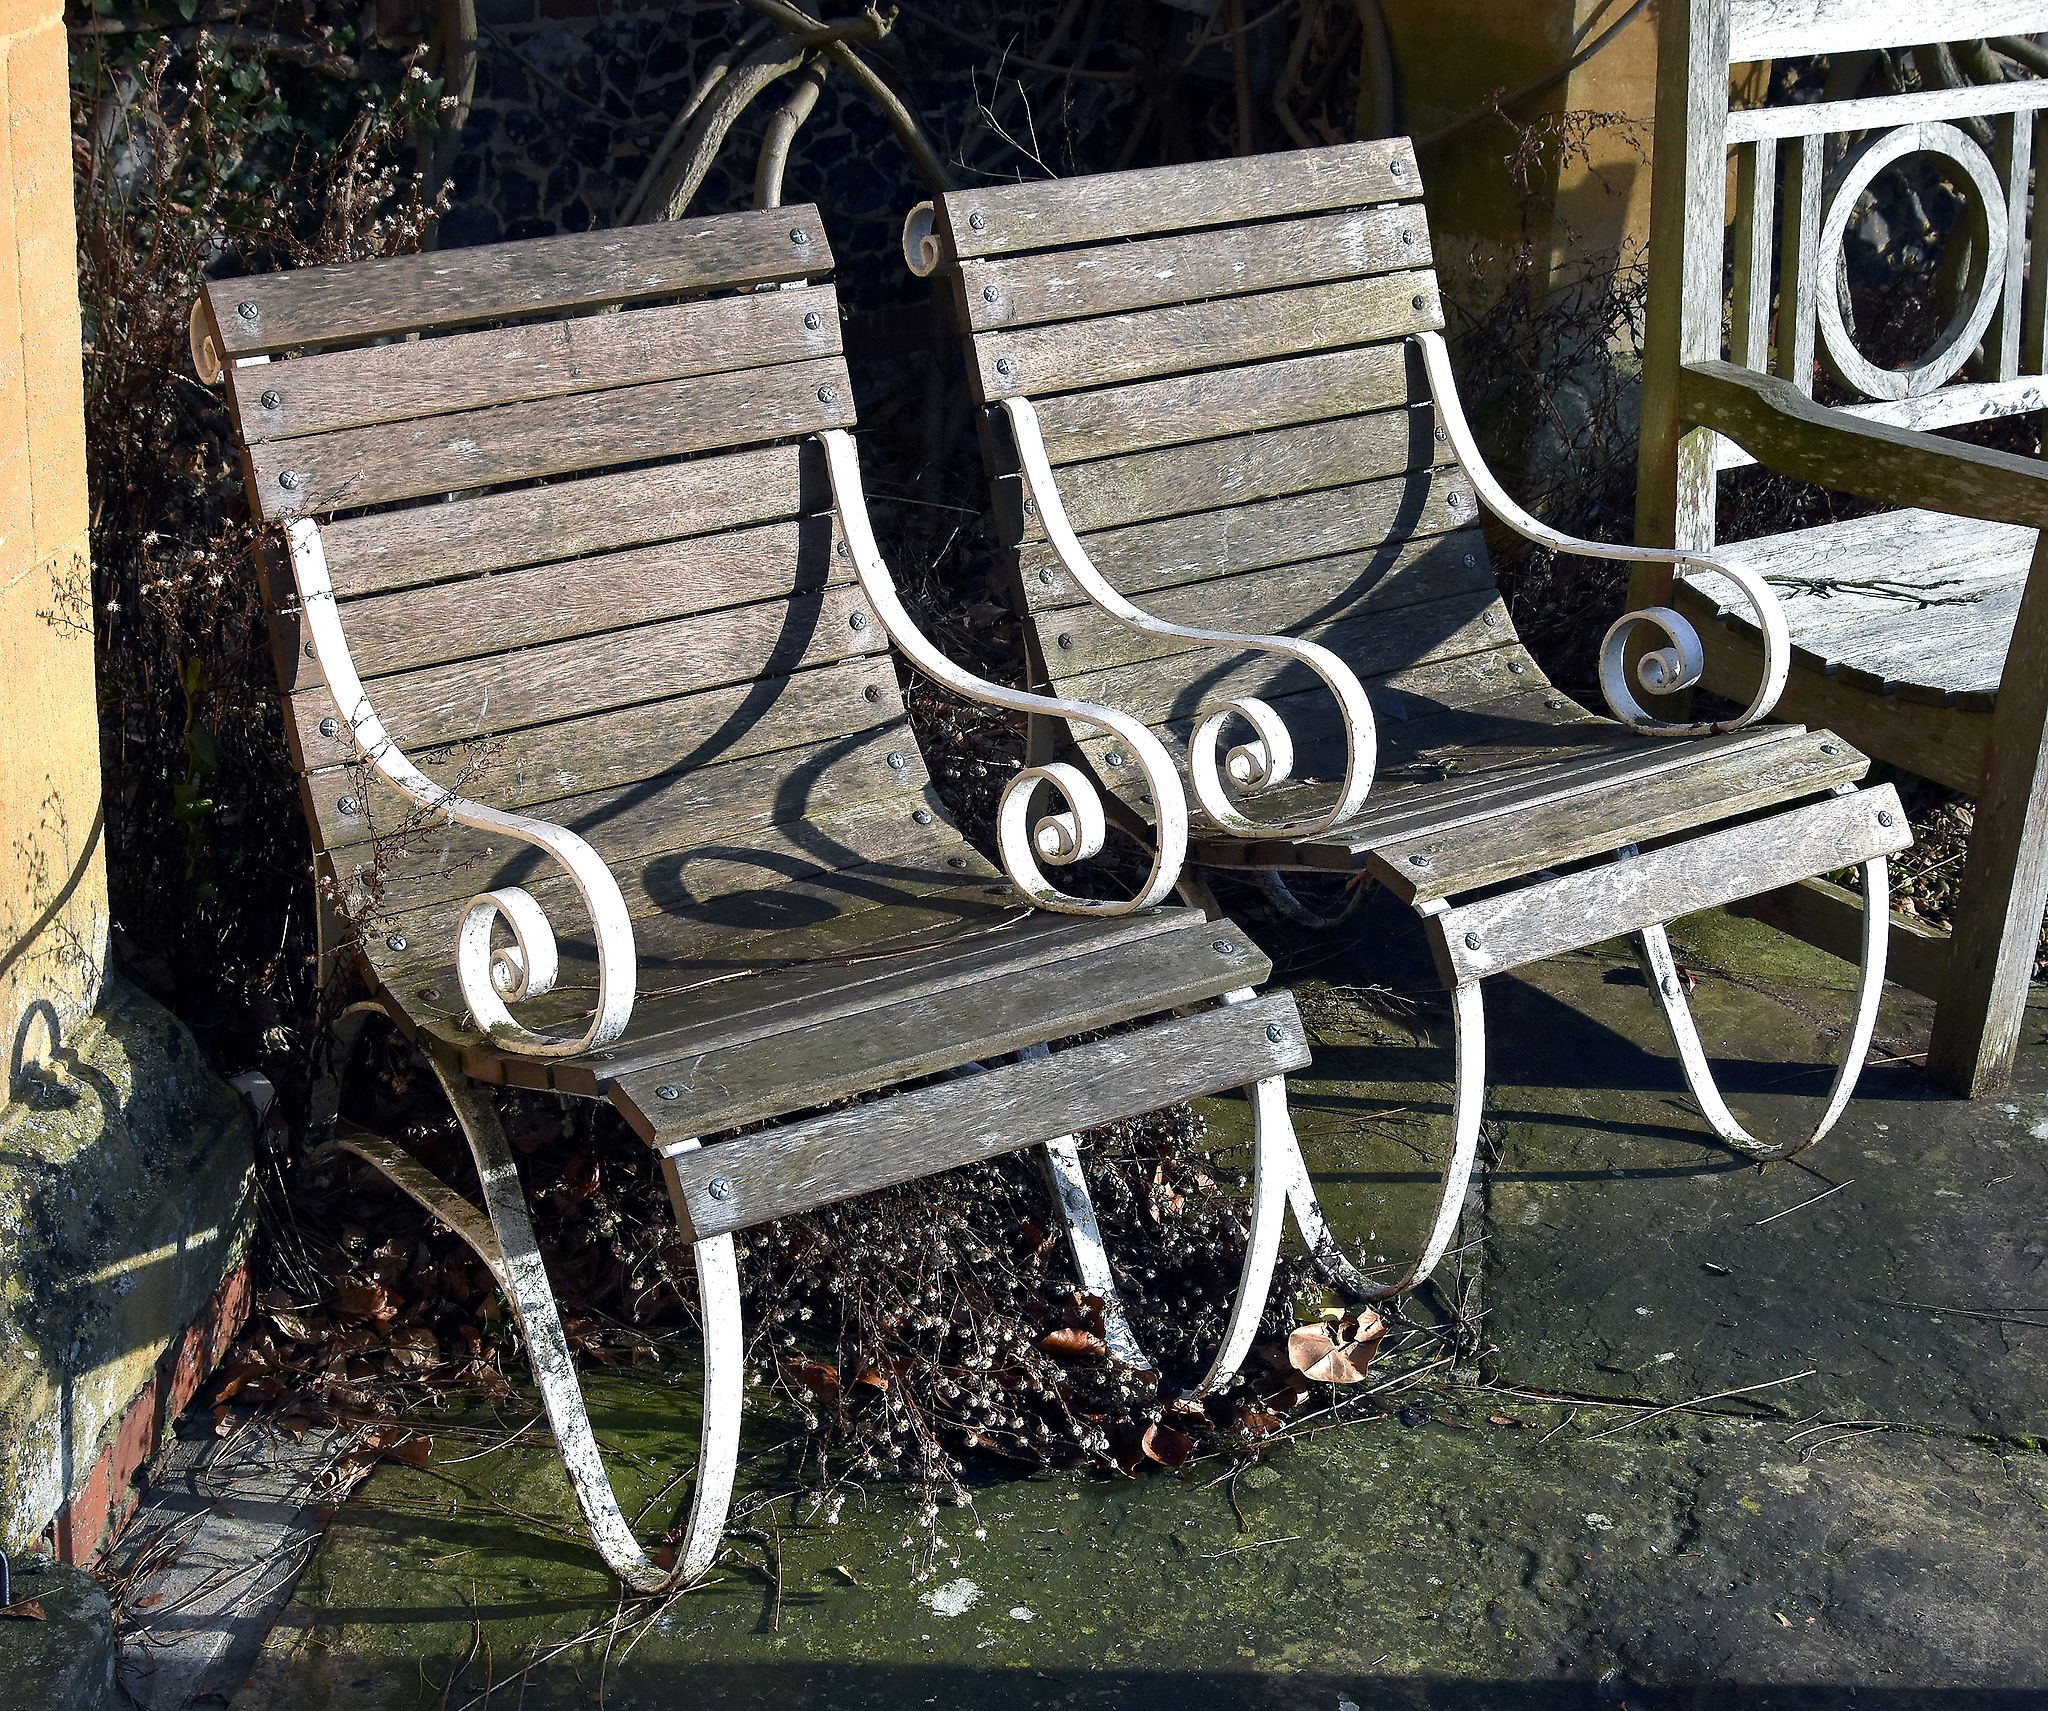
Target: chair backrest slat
[585,562]
[1221,363]
[383,550]
[1111,206]
[269,313]
[330,390]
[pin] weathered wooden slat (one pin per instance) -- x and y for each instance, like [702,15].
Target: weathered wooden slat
[1161,691]
[331,390]
[702,807]
[1025,291]
[807,1066]
[776,879]
[1148,343]
[1573,827]
[1148,414]
[1784,29]
[1881,112]
[1293,600]
[891,906]
[484,615]
[452,288]
[848,1152]
[566,519]
[1387,574]
[1111,205]
[1557,915]
[360,467]
[1143,556]
[1432,814]
[724,1010]
[1213,474]
[544,763]
[565,680]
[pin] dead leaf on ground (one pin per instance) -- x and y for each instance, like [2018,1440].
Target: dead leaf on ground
[812,1380]
[1168,1445]
[1336,1352]
[28,1610]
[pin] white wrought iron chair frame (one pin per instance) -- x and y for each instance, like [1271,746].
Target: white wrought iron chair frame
[1674,666]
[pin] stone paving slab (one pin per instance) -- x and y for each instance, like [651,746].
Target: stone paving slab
[1481,1549]
[1629,1256]
[1493,1553]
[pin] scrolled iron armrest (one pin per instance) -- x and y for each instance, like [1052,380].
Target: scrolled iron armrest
[1071,832]
[490,977]
[1681,661]
[1267,759]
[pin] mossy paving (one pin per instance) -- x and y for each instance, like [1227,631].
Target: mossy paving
[1870,1535]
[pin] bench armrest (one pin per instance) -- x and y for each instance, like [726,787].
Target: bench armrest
[1781,427]
[1066,835]
[1666,670]
[526,968]
[1266,760]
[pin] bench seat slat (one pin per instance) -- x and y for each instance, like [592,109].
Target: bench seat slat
[1003,1011]
[848,1152]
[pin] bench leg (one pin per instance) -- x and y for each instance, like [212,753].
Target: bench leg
[1060,1162]
[2005,875]
[1288,903]
[501,1235]
[1653,951]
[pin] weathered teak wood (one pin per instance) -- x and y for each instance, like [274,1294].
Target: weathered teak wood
[1211,423]
[1905,627]
[584,639]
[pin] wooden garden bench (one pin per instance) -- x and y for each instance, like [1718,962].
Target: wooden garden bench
[1217,395]
[585,649]
[1901,623]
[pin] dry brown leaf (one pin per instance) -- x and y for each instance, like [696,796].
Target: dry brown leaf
[1168,1445]
[1336,1352]
[820,1380]
[1074,1341]
[27,1610]
[371,1301]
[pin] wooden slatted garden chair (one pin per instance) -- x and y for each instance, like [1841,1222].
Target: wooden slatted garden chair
[584,642]
[1217,395]
[1902,623]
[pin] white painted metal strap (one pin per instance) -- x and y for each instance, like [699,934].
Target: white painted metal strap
[1267,759]
[1067,834]
[1681,661]
[1827,118]
[490,977]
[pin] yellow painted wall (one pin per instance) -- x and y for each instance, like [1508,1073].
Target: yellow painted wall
[53,894]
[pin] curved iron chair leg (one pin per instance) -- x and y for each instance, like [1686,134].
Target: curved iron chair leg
[1468,1102]
[1060,1160]
[1653,950]
[501,1235]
